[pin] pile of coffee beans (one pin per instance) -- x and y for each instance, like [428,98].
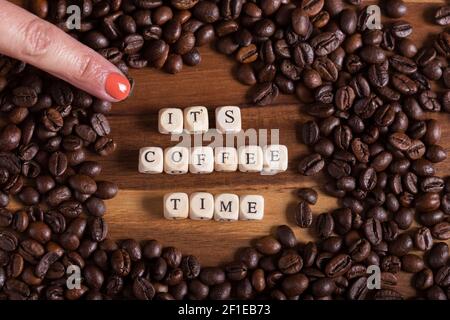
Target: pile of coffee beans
[369,92]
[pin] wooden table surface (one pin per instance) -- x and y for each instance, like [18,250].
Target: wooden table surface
[137,211]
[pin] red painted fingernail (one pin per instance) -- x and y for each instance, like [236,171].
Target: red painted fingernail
[117,86]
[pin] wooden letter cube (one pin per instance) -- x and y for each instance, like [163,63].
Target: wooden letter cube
[275,158]
[176,160]
[225,159]
[228,119]
[176,206]
[250,159]
[196,119]
[201,206]
[151,160]
[170,121]
[201,160]
[226,207]
[251,207]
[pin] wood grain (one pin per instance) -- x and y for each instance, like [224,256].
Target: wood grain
[137,210]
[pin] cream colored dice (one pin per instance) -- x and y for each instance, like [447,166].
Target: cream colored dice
[201,206]
[196,119]
[251,207]
[201,160]
[226,207]
[170,121]
[228,119]
[250,159]
[225,159]
[176,160]
[275,158]
[151,160]
[176,206]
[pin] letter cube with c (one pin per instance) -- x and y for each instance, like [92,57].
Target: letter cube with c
[151,160]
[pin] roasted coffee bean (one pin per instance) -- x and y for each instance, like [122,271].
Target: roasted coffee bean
[311,165]
[442,16]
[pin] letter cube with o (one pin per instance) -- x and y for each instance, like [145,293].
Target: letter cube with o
[225,159]
[251,207]
[151,160]
[228,119]
[226,207]
[201,206]
[176,160]
[170,121]
[250,159]
[176,206]
[196,120]
[201,160]
[275,158]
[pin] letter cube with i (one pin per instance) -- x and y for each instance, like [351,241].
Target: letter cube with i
[251,207]
[201,160]
[201,206]
[275,158]
[226,207]
[151,160]
[225,159]
[170,121]
[250,159]
[176,160]
[228,119]
[176,206]
[196,120]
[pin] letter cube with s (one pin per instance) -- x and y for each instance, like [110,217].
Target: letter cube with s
[228,119]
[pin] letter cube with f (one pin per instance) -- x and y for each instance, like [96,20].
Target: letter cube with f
[201,160]
[225,159]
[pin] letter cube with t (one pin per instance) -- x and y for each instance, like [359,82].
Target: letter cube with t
[176,160]
[176,206]
[250,159]
[170,120]
[225,159]
[201,160]
[196,119]
[251,207]
[226,207]
[151,160]
[201,206]
[228,119]
[275,158]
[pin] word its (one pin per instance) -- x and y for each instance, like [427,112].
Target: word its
[194,120]
[205,206]
[270,159]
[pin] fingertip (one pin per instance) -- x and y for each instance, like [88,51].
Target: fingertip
[117,86]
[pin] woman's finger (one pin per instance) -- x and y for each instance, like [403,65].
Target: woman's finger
[28,38]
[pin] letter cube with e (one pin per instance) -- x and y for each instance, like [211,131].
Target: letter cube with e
[225,159]
[201,160]
[151,160]
[226,207]
[170,121]
[250,159]
[176,160]
[275,158]
[228,119]
[201,206]
[196,119]
[251,207]
[176,206]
